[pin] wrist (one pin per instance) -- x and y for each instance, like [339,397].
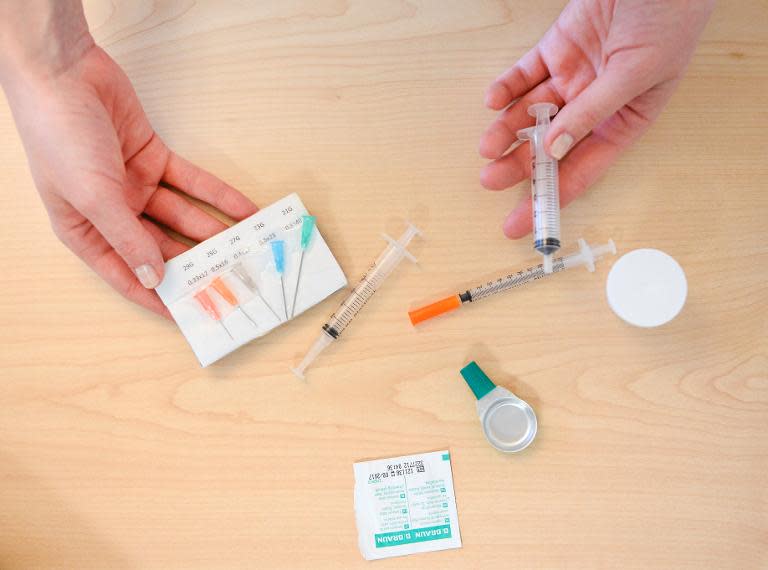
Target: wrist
[41,38]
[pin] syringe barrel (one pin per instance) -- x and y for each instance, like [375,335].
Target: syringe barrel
[513,280]
[545,191]
[385,263]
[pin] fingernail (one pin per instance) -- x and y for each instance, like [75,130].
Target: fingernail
[147,276]
[561,146]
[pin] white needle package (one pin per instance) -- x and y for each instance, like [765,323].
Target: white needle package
[245,281]
[405,505]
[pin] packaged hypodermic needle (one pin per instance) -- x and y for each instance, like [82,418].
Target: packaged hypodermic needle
[405,505]
[241,283]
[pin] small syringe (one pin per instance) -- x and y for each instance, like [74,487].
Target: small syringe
[587,255]
[368,285]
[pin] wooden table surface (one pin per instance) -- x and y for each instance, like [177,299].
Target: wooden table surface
[118,451]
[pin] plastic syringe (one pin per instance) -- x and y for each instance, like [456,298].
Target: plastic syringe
[545,192]
[368,285]
[587,255]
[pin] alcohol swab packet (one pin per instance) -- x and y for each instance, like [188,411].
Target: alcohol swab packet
[405,505]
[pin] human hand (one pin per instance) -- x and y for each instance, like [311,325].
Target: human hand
[610,66]
[102,171]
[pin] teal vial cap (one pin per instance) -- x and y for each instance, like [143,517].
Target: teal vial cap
[307,225]
[477,380]
[278,253]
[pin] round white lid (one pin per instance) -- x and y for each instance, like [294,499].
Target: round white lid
[646,288]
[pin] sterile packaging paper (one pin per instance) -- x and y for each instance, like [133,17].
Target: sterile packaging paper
[405,505]
[227,290]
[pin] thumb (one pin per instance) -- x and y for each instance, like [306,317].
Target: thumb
[121,227]
[608,93]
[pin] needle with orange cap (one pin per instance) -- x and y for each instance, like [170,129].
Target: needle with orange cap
[223,290]
[586,255]
[209,307]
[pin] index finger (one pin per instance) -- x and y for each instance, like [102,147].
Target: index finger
[527,73]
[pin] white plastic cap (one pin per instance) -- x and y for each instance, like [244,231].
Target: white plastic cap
[646,288]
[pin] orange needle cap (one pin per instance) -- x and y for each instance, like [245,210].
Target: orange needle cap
[225,291]
[438,308]
[208,305]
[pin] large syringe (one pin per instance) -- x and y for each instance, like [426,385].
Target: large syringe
[368,285]
[545,191]
[587,255]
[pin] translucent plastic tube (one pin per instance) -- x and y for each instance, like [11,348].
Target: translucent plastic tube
[545,191]
[587,255]
[390,258]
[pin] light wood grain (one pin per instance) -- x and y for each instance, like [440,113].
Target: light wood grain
[117,451]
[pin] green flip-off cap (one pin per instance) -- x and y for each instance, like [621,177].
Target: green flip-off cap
[477,380]
[307,225]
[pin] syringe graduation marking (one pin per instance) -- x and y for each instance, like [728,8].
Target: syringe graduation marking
[544,183]
[510,281]
[360,295]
